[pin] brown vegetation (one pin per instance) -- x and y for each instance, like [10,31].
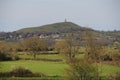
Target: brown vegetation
[20,72]
[34,45]
[7,52]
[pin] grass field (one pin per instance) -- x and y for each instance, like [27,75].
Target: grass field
[49,68]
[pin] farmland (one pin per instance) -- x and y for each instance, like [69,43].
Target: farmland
[49,68]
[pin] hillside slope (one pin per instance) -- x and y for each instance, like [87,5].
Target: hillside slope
[56,27]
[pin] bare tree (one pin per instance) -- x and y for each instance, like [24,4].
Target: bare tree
[34,45]
[82,70]
[94,46]
[68,46]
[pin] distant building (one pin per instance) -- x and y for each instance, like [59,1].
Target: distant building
[65,20]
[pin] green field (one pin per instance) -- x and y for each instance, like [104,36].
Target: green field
[49,68]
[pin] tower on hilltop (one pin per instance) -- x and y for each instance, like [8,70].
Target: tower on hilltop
[65,20]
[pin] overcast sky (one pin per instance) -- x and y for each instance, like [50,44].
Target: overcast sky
[96,14]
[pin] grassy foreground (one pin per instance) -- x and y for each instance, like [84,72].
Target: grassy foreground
[53,69]
[49,68]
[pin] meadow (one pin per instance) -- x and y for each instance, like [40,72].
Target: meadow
[51,68]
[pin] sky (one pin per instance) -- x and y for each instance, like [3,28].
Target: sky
[96,14]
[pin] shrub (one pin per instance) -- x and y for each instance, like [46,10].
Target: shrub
[82,70]
[7,52]
[8,57]
[4,57]
[106,57]
[21,72]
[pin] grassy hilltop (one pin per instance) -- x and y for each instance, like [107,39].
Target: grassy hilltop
[55,27]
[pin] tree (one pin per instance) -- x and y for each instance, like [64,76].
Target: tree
[82,70]
[33,45]
[7,51]
[68,46]
[94,46]
[59,46]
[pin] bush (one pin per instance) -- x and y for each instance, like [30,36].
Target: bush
[8,57]
[7,52]
[82,70]
[106,57]
[4,57]
[21,72]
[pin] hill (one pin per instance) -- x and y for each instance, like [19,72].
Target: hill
[59,30]
[61,27]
